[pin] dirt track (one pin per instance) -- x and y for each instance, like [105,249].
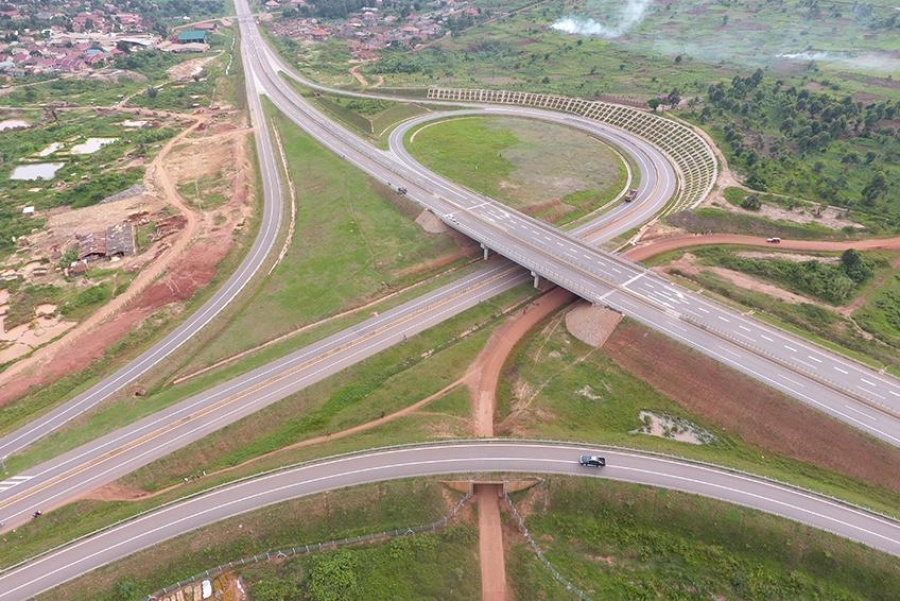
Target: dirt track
[179,271]
[484,374]
[26,369]
[661,245]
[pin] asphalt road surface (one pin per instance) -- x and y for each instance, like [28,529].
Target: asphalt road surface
[123,451]
[473,457]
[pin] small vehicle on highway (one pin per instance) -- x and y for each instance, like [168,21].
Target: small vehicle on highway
[401,190]
[631,195]
[773,240]
[592,460]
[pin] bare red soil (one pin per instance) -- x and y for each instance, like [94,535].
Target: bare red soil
[195,271]
[750,411]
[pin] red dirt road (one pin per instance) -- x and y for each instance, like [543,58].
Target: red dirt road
[490,543]
[484,374]
[661,245]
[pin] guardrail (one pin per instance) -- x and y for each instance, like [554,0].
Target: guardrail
[691,154]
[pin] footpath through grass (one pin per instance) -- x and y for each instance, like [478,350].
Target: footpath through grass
[441,565]
[548,171]
[621,541]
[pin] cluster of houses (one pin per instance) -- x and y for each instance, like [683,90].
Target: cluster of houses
[371,29]
[85,41]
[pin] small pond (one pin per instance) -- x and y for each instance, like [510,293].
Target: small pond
[36,171]
[50,149]
[12,124]
[92,145]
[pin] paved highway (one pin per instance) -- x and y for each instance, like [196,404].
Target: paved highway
[59,480]
[268,233]
[63,478]
[57,567]
[846,390]
[121,452]
[120,457]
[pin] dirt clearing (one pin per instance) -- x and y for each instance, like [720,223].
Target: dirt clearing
[179,267]
[755,413]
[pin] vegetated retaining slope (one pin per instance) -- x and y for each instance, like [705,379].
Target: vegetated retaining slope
[688,150]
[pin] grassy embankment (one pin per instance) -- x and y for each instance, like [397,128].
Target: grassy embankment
[621,541]
[558,388]
[436,565]
[548,171]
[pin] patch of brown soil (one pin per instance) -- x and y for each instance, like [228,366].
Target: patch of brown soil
[40,368]
[490,543]
[116,492]
[194,253]
[190,275]
[432,264]
[359,76]
[734,403]
[484,373]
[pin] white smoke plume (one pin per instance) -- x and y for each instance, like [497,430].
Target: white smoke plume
[631,14]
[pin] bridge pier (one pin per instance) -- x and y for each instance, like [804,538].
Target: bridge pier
[537,279]
[486,250]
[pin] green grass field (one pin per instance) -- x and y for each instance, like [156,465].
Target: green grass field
[549,171]
[354,242]
[621,541]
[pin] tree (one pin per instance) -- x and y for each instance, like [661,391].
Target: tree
[152,92]
[653,103]
[751,202]
[855,265]
[674,98]
[875,189]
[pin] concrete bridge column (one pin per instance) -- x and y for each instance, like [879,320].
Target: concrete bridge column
[486,250]
[537,279]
